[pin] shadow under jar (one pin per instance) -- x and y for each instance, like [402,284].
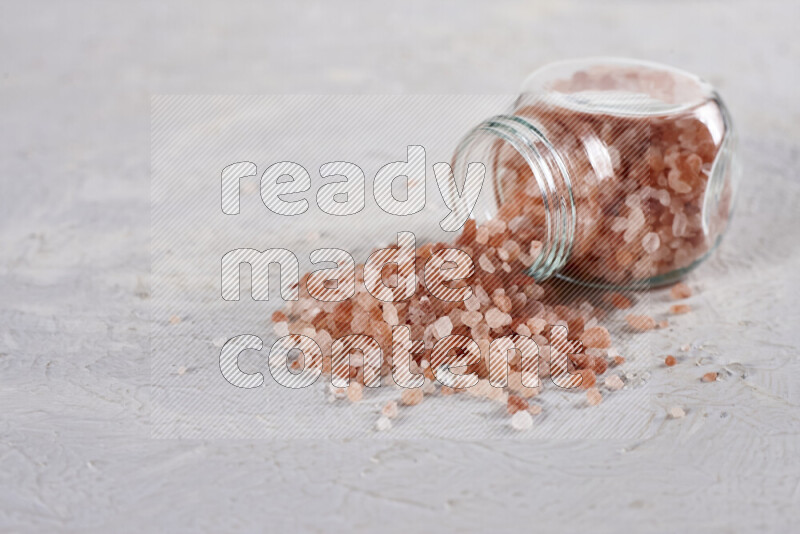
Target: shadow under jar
[623,171]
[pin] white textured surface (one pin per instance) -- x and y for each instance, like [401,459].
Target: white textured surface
[75,453]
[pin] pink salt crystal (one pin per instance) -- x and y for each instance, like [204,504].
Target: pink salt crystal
[676,184]
[616,160]
[482,235]
[521,421]
[496,226]
[513,249]
[593,396]
[535,248]
[679,225]
[443,326]
[516,223]
[630,234]
[472,304]
[411,397]
[695,163]
[632,200]
[309,331]
[482,295]
[618,300]
[455,317]
[596,337]
[383,424]
[523,330]
[516,404]
[679,309]
[651,242]
[614,382]
[709,377]
[676,412]
[525,259]
[354,392]
[502,302]
[486,264]
[495,318]
[390,409]
[534,409]
[281,329]
[536,324]
[641,323]
[471,318]
[680,291]
[480,331]
[636,219]
[366,301]
[619,224]
[390,313]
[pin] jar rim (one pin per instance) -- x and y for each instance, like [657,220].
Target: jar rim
[548,170]
[654,97]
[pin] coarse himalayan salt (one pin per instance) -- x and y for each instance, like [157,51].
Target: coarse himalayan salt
[709,377]
[281,329]
[443,326]
[383,424]
[411,397]
[429,386]
[496,318]
[660,167]
[618,300]
[680,291]
[354,392]
[521,420]
[501,304]
[614,382]
[596,337]
[679,309]
[593,396]
[641,323]
[669,361]
[676,412]
[516,404]
[390,409]
[588,378]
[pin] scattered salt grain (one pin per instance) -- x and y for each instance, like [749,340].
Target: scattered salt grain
[521,421]
[383,424]
[676,412]
[614,382]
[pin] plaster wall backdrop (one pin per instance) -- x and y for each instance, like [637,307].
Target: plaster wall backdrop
[75,447]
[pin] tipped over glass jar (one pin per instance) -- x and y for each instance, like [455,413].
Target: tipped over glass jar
[623,170]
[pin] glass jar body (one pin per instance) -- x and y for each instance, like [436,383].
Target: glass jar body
[623,170]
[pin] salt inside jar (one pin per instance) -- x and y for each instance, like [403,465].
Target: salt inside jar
[623,170]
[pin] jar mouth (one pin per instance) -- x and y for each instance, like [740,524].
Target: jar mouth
[552,182]
[617,86]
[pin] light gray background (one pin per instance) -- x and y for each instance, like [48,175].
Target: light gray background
[75,453]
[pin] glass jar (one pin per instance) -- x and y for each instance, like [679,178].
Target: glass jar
[621,169]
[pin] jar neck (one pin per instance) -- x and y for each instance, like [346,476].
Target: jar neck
[547,169]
